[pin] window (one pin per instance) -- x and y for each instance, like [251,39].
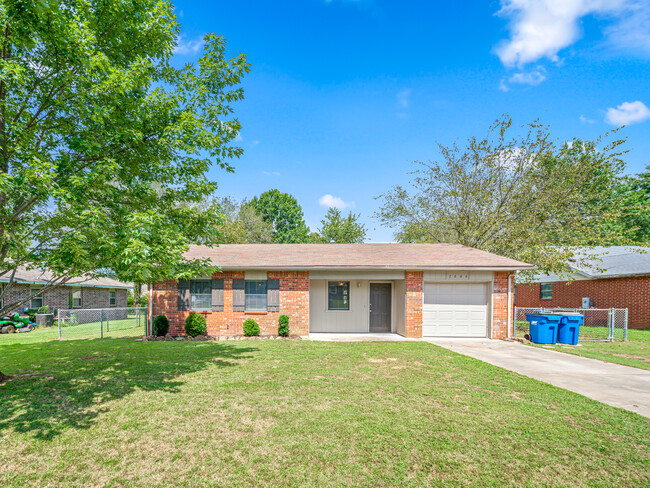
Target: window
[37,300]
[256,295]
[76,298]
[200,295]
[111,298]
[546,291]
[338,295]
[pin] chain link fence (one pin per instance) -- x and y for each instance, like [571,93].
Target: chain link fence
[101,322]
[600,324]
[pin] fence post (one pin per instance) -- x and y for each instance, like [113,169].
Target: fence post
[58,318]
[108,321]
[611,324]
[101,324]
[625,330]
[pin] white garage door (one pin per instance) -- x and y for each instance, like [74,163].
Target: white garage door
[455,310]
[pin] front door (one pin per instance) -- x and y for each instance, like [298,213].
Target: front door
[380,307]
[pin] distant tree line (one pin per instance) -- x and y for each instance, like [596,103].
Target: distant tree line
[276,217]
[519,193]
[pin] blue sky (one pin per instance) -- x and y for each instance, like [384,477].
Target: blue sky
[344,94]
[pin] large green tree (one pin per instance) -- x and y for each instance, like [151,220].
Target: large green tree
[242,224]
[337,229]
[103,141]
[515,192]
[633,194]
[284,213]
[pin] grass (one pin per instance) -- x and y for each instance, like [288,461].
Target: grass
[119,413]
[129,327]
[633,352]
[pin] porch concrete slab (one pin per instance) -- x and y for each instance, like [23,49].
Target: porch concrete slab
[620,386]
[352,337]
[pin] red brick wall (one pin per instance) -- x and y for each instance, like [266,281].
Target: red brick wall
[59,298]
[414,302]
[632,293]
[500,322]
[294,302]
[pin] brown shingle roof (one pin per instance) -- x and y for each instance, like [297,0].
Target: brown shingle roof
[350,256]
[37,276]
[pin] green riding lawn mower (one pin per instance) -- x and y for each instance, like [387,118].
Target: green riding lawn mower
[17,323]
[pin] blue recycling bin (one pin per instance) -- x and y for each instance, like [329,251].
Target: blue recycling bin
[543,327]
[569,328]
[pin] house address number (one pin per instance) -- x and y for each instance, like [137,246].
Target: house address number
[462,275]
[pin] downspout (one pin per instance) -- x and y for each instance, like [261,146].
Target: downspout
[150,309]
[509,306]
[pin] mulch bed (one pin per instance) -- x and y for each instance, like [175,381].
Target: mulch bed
[170,337]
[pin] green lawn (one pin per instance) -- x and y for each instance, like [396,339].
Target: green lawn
[119,413]
[633,352]
[129,327]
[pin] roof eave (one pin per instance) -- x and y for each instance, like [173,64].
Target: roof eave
[375,268]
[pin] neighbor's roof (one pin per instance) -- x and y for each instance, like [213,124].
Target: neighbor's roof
[610,262]
[40,277]
[352,256]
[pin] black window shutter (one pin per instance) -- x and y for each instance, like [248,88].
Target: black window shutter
[238,295]
[183,294]
[217,295]
[273,295]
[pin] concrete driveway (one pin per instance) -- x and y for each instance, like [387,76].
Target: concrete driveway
[613,384]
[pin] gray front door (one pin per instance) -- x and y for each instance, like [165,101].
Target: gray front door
[380,307]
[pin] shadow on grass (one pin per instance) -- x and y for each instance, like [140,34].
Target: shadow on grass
[60,385]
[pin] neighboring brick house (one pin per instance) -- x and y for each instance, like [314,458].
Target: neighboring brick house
[78,293]
[614,277]
[415,290]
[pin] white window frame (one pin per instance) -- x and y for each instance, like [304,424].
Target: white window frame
[339,283]
[541,291]
[247,307]
[209,294]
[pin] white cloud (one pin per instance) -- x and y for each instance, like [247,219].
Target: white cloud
[404,98]
[529,78]
[271,173]
[238,137]
[586,120]
[533,78]
[632,33]
[332,201]
[541,28]
[627,113]
[184,47]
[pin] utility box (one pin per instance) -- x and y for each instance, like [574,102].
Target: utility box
[586,302]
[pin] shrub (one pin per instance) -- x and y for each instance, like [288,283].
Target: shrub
[251,328]
[44,309]
[195,324]
[160,325]
[283,326]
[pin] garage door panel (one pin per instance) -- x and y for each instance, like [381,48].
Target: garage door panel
[455,310]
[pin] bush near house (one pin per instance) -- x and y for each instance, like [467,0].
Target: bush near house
[251,328]
[160,325]
[283,326]
[195,324]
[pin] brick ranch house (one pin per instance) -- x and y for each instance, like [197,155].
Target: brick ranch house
[78,293]
[614,277]
[413,290]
